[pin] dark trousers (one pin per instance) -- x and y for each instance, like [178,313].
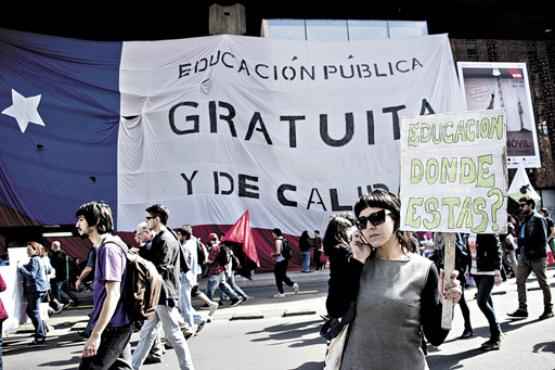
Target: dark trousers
[462,304]
[33,302]
[62,291]
[280,272]
[113,353]
[485,285]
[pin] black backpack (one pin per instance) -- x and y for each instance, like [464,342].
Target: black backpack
[143,285]
[223,257]
[285,249]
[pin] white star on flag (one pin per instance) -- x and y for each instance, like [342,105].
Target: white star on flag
[24,110]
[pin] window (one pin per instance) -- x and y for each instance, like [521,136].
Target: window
[341,30]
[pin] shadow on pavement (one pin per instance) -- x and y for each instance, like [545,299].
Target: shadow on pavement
[437,361]
[292,331]
[544,347]
[57,364]
[311,366]
[21,345]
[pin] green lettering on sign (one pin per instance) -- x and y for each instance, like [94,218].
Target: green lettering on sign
[411,219]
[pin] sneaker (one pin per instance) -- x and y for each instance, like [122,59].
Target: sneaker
[491,345]
[187,332]
[546,315]
[212,309]
[236,302]
[518,314]
[467,333]
[200,326]
[279,295]
[296,288]
[38,342]
[153,360]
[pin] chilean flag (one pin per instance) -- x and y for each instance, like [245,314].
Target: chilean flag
[59,116]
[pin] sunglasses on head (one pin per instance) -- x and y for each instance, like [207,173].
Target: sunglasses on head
[376,219]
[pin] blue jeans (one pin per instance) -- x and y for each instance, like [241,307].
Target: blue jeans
[113,353]
[306,261]
[218,281]
[169,317]
[33,303]
[188,312]
[485,285]
[230,280]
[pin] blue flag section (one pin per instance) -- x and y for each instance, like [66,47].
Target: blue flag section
[59,116]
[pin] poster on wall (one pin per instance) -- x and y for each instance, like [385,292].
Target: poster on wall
[504,86]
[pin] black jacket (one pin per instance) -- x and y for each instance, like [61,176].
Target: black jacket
[488,252]
[344,280]
[535,238]
[165,255]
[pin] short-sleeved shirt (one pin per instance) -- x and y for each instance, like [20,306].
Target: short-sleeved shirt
[111,263]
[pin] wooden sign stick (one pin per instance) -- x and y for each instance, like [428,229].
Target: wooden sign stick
[448,267]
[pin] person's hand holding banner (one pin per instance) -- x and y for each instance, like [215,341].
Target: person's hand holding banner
[452,291]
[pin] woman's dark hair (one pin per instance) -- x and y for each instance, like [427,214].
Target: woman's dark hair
[277,232]
[304,238]
[97,214]
[391,202]
[336,232]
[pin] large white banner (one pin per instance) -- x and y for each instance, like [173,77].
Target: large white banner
[454,173]
[290,130]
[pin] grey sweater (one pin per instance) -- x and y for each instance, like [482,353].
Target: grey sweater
[395,299]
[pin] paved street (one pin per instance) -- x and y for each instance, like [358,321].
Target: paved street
[277,343]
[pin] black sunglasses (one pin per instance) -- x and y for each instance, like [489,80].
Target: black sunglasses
[522,205]
[149,217]
[376,219]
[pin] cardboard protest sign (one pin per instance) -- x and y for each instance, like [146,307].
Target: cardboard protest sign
[454,173]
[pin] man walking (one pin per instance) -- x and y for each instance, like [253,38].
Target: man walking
[108,344]
[164,253]
[281,264]
[532,239]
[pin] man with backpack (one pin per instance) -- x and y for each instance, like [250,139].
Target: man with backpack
[281,254]
[164,253]
[218,258]
[108,344]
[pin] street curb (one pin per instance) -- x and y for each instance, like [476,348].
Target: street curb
[254,316]
[298,313]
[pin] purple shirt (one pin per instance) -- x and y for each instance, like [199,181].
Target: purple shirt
[111,264]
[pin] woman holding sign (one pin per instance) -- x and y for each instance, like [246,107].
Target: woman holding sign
[395,292]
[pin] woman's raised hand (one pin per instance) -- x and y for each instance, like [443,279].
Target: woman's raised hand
[361,250]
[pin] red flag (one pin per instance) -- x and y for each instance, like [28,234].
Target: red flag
[241,233]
